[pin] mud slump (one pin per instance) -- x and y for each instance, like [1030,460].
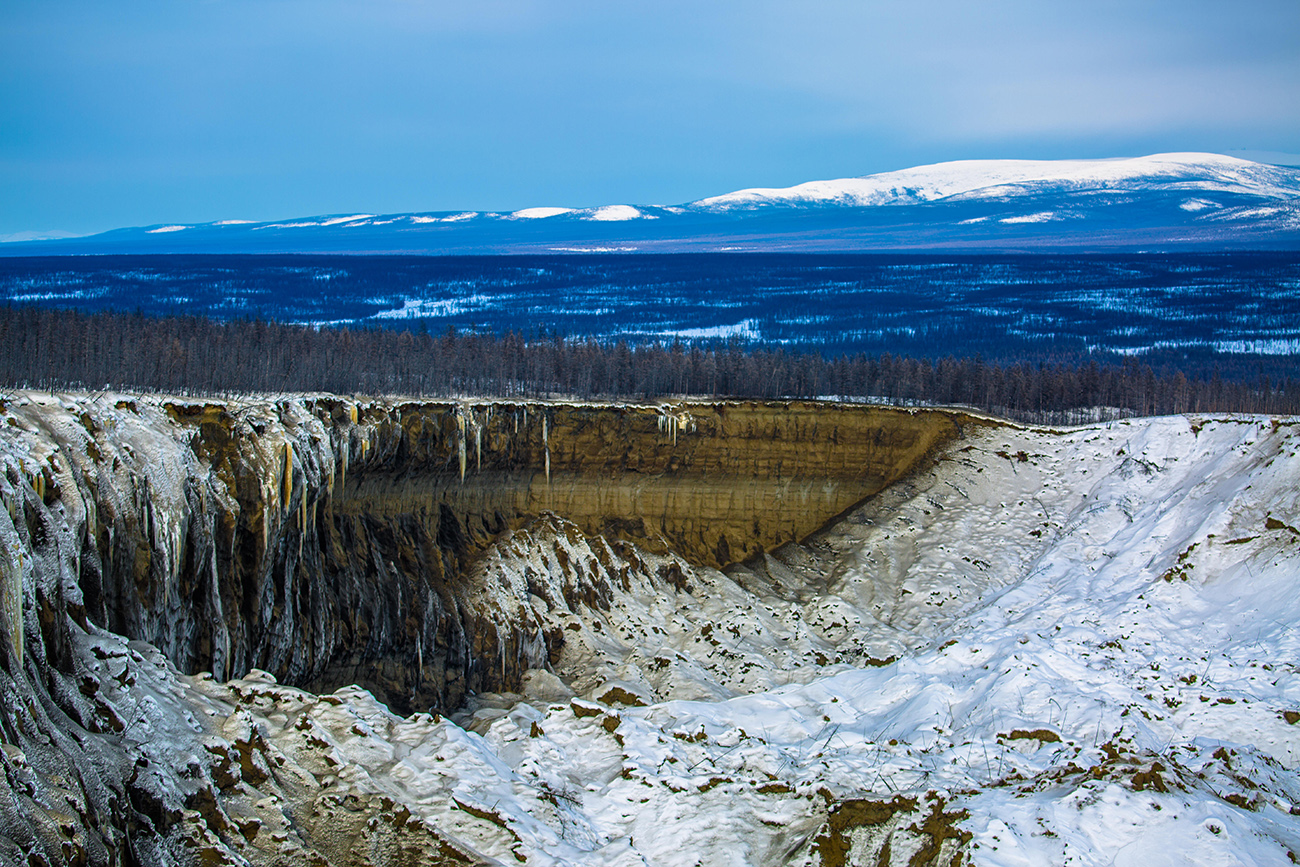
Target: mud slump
[326,540]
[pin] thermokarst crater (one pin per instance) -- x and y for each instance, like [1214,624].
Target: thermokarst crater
[323,630]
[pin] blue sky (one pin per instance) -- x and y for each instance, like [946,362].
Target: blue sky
[151,111]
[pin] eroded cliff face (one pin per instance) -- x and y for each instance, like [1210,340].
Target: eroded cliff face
[325,540]
[717,483]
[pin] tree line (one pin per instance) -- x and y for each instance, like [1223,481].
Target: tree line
[70,350]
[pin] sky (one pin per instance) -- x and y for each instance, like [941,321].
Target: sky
[136,112]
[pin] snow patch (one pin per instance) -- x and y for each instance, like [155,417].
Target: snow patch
[539,213]
[1040,217]
[748,329]
[334,221]
[615,213]
[298,225]
[425,308]
[454,218]
[595,249]
[162,229]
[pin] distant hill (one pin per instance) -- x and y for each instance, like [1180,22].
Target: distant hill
[1188,201]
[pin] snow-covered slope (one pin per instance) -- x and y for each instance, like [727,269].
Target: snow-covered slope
[1191,172]
[1096,635]
[1191,200]
[1052,647]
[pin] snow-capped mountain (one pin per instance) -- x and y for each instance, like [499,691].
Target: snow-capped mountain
[1005,179]
[1164,201]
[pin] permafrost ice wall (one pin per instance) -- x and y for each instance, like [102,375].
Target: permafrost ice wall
[325,540]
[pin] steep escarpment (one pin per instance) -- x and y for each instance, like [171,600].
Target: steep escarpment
[325,540]
[715,482]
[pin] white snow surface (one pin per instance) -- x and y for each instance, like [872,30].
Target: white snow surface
[616,213]
[1002,178]
[415,308]
[746,328]
[1085,642]
[594,249]
[454,218]
[334,221]
[539,213]
[1037,217]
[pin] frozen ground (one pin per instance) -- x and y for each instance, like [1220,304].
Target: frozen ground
[1073,647]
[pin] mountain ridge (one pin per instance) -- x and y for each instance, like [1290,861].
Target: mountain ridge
[1176,200]
[990,178]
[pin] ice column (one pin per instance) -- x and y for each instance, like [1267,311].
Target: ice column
[546,444]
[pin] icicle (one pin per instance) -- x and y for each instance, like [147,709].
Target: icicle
[174,542]
[461,451]
[546,444]
[11,595]
[478,446]
[302,521]
[352,412]
[286,486]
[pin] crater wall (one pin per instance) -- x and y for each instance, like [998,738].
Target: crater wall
[325,539]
